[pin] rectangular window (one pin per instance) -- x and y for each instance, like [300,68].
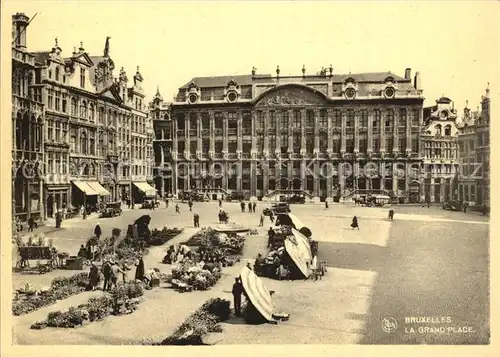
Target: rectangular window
[297,142]
[64,103]
[350,119]
[310,119]
[362,145]
[259,120]
[260,144]
[415,120]
[284,143]
[389,118]
[50,130]
[389,144]
[271,120]
[402,144]
[58,101]
[297,120]
[323,142]
[285,120]
[349,143]
[219,122]
[414,145]
[205,121]
[57,163]
[50,100]
[323,118]
[82,77]
[376,144]
[364,119]
[337,119]
[57,131]
[402,117]
[193,122]
[272,143]
[376,120]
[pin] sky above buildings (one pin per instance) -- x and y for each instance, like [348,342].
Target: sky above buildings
[454,46]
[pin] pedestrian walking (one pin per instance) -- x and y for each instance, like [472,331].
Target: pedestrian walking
[254,206]
[466,205]
[98,231]
[391,215]
[237,292]
[139,269]
[93,276]
[196,219]
[242,205]
[58,219]
[261,223]
[249,207]
[354,223]
[106,272]
[190,204]
[177,209]
[31,224]
[115,272]
[166,202]
[326,204]
[220,203]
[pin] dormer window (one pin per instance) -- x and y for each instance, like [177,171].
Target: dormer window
[82,77]
[57,74]
[438,130]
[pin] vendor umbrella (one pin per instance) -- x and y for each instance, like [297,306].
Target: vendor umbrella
[296,253]
[143,220]
[257,293]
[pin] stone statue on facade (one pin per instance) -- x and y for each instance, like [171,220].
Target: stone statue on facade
[106,47]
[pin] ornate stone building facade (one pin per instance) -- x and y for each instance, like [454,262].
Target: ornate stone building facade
[439,151]
[93,120]
[325,136]
[27,128]
[474,154]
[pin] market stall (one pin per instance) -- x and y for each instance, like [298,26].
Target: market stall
[259,301]
[230,228]
[289,219]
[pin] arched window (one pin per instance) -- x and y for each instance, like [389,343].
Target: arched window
[83,110]
[91,112]
[57,73]
[74,107]
[83,143]
[438,129]
[86,169]
[447,130]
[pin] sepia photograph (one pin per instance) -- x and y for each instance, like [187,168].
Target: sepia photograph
[257,173]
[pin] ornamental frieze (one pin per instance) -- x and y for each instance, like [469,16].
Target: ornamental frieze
[291,96]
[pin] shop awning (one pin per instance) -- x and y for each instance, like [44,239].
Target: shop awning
[289,219]
[145,188]
[257,293]
[97,187]
[85,188]
[296,253]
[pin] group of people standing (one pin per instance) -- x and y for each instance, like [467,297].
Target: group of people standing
[251,206]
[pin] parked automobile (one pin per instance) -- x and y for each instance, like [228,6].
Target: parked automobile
[149,203]
[280,207]
[112,209]
[452,205]
[297,199]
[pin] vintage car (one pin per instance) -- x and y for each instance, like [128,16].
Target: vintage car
[112,209]
[377,200]
[149,203]
[280,207]
[452,205]
[297,199]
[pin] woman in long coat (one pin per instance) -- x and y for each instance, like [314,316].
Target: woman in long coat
[139,270]
[93,276]
[354,223]
[98,231]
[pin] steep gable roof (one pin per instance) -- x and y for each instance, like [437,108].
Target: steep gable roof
[41,57]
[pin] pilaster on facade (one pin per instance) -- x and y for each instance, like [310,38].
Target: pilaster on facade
[329,114]
[290,131]
[395,132]
[303,178]
[266,126]
[199,130]
[408,130]
[356,130]
[343,116]
[303,142]
[316,131]
[211,116]
[278,133]
[240,133]
[371,114]
[382,132]
[254,134]
[225,133]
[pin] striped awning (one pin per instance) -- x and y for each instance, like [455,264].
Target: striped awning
[296,252]
[304,246]
[145,188]
[85,188]
[257,293]
[97,187]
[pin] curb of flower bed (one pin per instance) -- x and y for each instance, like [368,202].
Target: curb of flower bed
[123,300]
[203,321]
[60,288]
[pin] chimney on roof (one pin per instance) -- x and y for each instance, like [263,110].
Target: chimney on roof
[408,74]
[417,82]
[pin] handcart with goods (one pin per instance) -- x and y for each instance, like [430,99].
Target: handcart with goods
[45,257]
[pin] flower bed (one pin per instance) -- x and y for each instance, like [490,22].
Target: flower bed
[61,288]
[160,237]
[203,321]
[191,274]
[123,300]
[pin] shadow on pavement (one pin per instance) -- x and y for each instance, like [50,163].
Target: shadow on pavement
[356,256]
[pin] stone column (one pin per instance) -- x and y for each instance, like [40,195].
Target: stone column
[175,139]
[239,174]
[382,131]
[370,131]
[433,184]
[343,114]
[290,131]
[316,130]
[407,181]
[316,182]
[382,175]
[289,173]
[187,138]
[394,177]
[329,134]
[341,181]
[265,179]
[408,130]
[422,190]
[395,132]
[356,130]
[199,145]
[278,131]
[303,146]
[303,180]
[162,155]
[225,133]
[225,178]
[240,132]
[266,125]
[253,179]
[175,173]
[254,132]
